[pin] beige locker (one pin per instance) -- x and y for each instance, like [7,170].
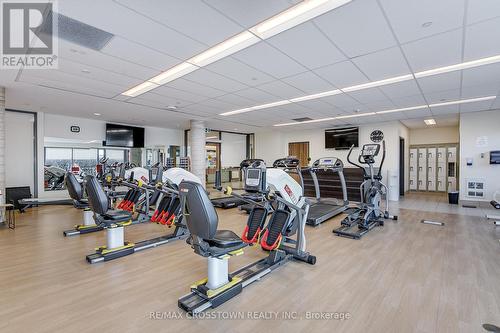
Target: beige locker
[422,169]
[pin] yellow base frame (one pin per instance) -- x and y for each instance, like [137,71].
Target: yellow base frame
[214,292]
[81,226]
[103,249]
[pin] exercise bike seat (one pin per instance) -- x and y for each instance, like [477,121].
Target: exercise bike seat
[225,239]
[117,215]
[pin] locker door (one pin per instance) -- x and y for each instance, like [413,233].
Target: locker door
[422,169]
[452,154]
[441,155]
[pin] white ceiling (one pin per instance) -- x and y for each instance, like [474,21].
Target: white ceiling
[363,41]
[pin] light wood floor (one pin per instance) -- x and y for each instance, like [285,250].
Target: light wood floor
[404,277]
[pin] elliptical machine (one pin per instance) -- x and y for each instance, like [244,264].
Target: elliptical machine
[369,214]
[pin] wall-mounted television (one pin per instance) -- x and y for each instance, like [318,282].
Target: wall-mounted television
[124,136]
[342,138]
[495,157]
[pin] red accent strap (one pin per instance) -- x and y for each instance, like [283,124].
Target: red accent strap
[164,218]
[244,237]
[155,216]
[170,220]
[271,247]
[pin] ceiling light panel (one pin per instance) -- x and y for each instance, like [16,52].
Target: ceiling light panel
[140,89]
[300,13]
[173,73]
[430,122]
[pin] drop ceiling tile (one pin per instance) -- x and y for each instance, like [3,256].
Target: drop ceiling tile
[248,13]
[408,101]
[418,113]
[496,103]
[317,106]
[127,50]
[309,83]
[236,100]
[447,81]
[367,96]
[343,101]
[407,17]
[281,89]
[195,88]
[383,64]
[437,51]
[88,57]
[83,88]
[443,96]
[342,74]
[400,89]
[257,95]
[480,91]
[357,28]
[186,17]
[445,110]
[170,99]
[207,78]
[143,30]
[219,105]
[481,40]
[479,10]
[182,95]
[95,73]
[269,60]
[239,71]
[484,75]
[314,49]
[476,106]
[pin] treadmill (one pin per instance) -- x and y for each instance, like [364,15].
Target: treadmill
[230,201]
[323,209]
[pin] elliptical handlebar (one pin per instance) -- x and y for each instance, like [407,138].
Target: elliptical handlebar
[379,175]
[353,163]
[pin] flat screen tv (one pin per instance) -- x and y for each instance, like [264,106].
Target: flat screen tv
[495,157]
[341,138]
[124,136]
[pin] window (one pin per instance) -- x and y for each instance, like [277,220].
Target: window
[58,161]
[86,159]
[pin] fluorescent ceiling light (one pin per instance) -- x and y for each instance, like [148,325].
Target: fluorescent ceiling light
[258,107]
[140,89]
[403,109]
[457,67]
[316,96]
[300,13]
[401,78]
[356,115]
[173,73]
[379,83]
[430,122]
[461,101]
[224,49]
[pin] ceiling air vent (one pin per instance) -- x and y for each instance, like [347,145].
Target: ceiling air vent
[77,32]
[302,119]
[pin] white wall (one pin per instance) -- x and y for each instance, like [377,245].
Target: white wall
[19,150]
[482,125]
[434,135]
[273,145]
[233,149]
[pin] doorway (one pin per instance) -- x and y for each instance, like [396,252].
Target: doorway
[301,151]
[401,166]
[213,160]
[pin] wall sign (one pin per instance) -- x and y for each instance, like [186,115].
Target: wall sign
[377,136]
[75,129]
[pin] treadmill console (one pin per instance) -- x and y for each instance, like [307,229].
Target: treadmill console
[254,179]
[327,163]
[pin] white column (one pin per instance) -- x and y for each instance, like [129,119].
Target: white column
[2,144]
[198,152]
